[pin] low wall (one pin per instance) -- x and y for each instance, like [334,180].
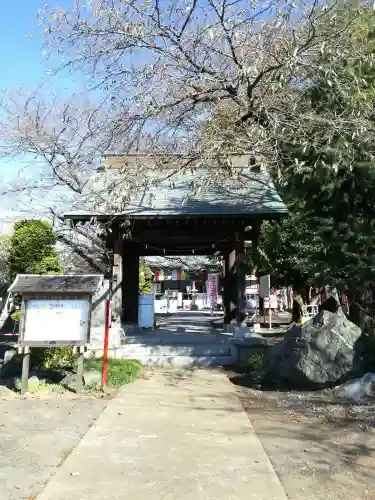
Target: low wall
[243,349]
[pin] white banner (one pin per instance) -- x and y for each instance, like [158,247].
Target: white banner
[264,286]
[212,289]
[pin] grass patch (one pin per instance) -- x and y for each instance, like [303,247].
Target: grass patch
[56,358]
[119,371]
[39,388]
[255,363]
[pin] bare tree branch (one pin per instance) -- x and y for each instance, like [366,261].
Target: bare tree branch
[200,78]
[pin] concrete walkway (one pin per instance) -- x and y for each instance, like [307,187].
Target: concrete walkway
[178,435]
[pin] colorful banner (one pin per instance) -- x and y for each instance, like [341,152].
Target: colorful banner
[212,288]
[170,274]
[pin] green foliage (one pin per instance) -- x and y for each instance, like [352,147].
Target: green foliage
[327,174]
[145,278]
[40,387]
[58,358]
[255,363]
[286,249]
[330,159]
[120,371]
[16,315]
[4,266]
[31,249]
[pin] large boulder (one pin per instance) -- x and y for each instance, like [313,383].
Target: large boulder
[318,354]
[72,382]
[92,379]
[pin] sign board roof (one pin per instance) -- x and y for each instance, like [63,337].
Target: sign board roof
[57,284]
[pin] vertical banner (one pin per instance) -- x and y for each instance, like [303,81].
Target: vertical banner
[265,294]
[265,286]
[212,289]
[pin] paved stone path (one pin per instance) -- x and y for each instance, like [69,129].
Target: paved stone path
[173,435]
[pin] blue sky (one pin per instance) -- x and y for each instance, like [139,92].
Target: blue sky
[21,43]
[23,65]
[21,55]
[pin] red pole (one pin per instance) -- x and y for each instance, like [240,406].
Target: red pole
[106,335]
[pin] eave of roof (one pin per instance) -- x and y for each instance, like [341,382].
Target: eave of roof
[67,283]
[248,193]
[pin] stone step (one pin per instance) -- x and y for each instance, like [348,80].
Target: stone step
[175,350]
[155,360]
[178,340]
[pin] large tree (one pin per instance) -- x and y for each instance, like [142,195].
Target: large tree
[4,265]
[165,67]
[204,78]
[327,177]
[329,161]
[32,249]
[287,251]
[159,71]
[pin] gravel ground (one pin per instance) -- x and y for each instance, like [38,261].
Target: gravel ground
[36,435]
[322,448]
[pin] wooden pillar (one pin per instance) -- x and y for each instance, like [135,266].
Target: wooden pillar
[130,282]
[25,370]
[80,369]
[255,237]
[234,284]
[226,291]
[240,282]
[116,301]
[229,298]
[256,228]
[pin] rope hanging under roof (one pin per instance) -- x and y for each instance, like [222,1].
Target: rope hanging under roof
[183,249]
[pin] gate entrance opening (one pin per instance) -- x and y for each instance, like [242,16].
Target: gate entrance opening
[171,219]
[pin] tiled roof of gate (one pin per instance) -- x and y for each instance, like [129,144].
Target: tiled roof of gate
[247,193]
[57,284]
